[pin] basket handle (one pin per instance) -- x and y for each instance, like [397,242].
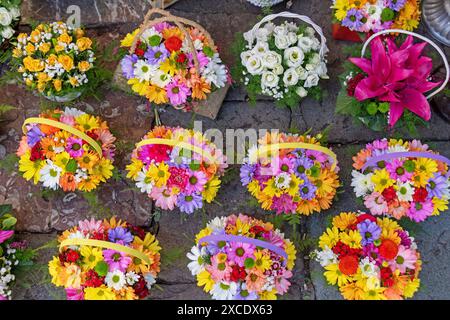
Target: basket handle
[255,242]
[105,245]
[439,50]
[65,127]
[286,14]
[297,145]
[410,154]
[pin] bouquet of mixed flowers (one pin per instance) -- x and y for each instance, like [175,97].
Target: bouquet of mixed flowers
[169,63]
[67,149]
[376,15]
[388,88]
[242,258]
[402,179]
[12,253]
[283,61]
[369,258]
[177,167]
[55,59]
[106,260]
[291,173]
[264,3]
[9,16]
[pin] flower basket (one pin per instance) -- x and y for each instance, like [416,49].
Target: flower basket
[401,179]
[55,60]
[291,174]
[374,16]
[67,149]
[174,61]
[106,260]
[369,258]
[242,258]
[388,90]
[177,168]
[284,61]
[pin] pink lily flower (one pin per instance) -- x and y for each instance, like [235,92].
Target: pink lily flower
[5,235]
[397,75]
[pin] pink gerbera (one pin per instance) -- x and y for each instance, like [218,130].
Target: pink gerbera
[376,203]
[284,204]
[377,145]
[281,283]
[177,92]
[116,260]
[70,120]
[75,147]
[282,165]
[196,182]
[164,199]
[397,171]
[90,226]
[240,251]
[74,294]
[220,271]
[406,259]
[419,211]
[316,156]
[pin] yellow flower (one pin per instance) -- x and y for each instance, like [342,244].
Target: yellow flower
[382,180]
[344,220]
[61,160]
[84,66]
[292,189]
[30,168]
[329,238]
[375,294]
[72,276]
[84,43]
[265,200]
[268,295]
[91,256]
[204,279]
[411,287]
[99,293]
[74,81]
[439,205]
[168,66]
[88,160]
[253,188]
[103,169]
[65,38]
[291,252]
[52,59]
[57,83]
[55,269]
[89,183]
[352,238]
[87,122]
[45,47]
[211,188]
[159,174]
[334,275]
[426,167]
[30,48]
[173,32]
[33,65]
[156,94]
[271,189]
[17,53]
[203,233]
[241,228]
[59,48]
[342,6]
[149,243]
[66,61]
[78,32]
[262,260]
[352,291]
[129,38]
[126,293]
[140,88]
[134,168]
[35,36]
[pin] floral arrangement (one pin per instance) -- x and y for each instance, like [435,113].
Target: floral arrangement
[406,185]
[91,272]
[377,15]
[13,254]
[388,88]
[55,59]
[293,181]
[9,16]
[369,258]
[285,62]
[177,175]
[242,258]
[67,149]
[164,69]
[264,3]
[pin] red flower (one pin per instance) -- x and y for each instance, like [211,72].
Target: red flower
[238,273]
[139,51]
[98,236]
[140,288]
[389,194]
[364,217]
[92,134]
[37,153]
[181,58]
[342,250]
[348,265]
[173,44]
[352,83]
[386,277]
[257,230]
[71,255]
[136,231]
[388,249]
[93,279]
[420,195]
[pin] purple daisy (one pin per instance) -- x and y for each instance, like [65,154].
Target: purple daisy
[353,19]
[396,5]
[202,60]
[215,247]
[244,294]
[262,174]
[34,135]
[188,203]
[307,190]
[437,186]
[369,231]
[246,173]
[116,260]
[127,65]
[197,181]
[405,239]
[302,164]
[75,147]
[156,55]
[120,235]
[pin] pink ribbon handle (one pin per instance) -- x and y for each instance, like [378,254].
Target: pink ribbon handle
[410,154]
[255,242]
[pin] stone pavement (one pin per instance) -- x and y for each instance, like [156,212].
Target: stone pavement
[41,216]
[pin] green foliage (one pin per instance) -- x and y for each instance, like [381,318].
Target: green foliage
[231,174]
[171,256]
[9,163]
[7,220]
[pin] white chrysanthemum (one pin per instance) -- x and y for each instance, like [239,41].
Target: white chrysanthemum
[50,174]
[362,183]
[218,223]
[197,257]
[115,279]
[143,182]
[368,268]
[143,71]
[282,180]
[131,278]
[326,257]
[224,291]
[73,112]
[215,72]
[160,78]
[405,191]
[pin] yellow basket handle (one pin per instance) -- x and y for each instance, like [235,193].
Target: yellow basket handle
[297,145]
[105,245]
[65,127]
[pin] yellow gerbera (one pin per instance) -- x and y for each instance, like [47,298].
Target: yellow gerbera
[55,269]
[159,173]
[211,188]
[265,200]
[30,168]
[352,291]
[140,88]
[344,220]
[426,166]
[156,94]
[173,32]
[262,260]
[326,182]
[204,279]
[91,256]
[329,238]
[439,205]
[420,179]
[89,183]
[61,160]
[126,293]
[88,160]
[268,295]
[374,294]
[271,189]
[203,233]
[134,168]
[352,238]
[382,180]
[103,169]
[99,293]
[292,189]
[253,188]
[291,252]
[129,38]
[149,243]
[342,6]
[334,275]
[168,66]
[411,287]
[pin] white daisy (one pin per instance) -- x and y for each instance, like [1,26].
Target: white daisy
[282,180]
[224,291]
[218,223]
[253,154]
[362,183]
[143,71]
[160,78]
[368,268]
[143,182]
[50,174]
[149,280]
[405,191]
[73,112]
[150,32]
[76,235]
[215,73]
[131,278]
[115,279]
[198,262]
[397,148]
[326,257]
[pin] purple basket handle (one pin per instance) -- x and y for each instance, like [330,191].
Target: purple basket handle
[412,154]
[256,242]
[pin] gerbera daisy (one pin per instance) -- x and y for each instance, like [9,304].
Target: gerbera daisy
[50,174]
[74,147]
[91,256]
[156,94]
[159,174]
[87,122]
[67,182]
[99,293]
[88,160]
[196,182]
[116,260]
[381,180]
[164,199]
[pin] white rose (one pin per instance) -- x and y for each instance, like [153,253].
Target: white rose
[280,31]
[7,32]
[290,77]
[245,55]
[311,81]
[301,92]
[271,59]
[292,36]
[5,17]
[293,57]
[269,79]
[262,35]
[278,69]
[260,48]
[254,65]
[315,59]
[281,41]
[15,13]
[248,36]
[291,26]
[310,32]
[322,70]
[305,43]
[302,74]
[310,67]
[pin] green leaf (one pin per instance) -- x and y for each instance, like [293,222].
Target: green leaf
[372,108]
[9,223]
[101,268]
[384,107]
[208,51]
[409,165]
[5,208]
[154,40]
[249,263]
[344,103]
[194,166]
[71,166]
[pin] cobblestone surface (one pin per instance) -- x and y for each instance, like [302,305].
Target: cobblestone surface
[40,218]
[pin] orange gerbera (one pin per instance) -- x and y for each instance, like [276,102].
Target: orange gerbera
[208,169]
[325,202]
[173,32]
[53,115]
[48,147]
[160,132]
[200,89]
[360,159]
[307,207]
[67,182]
[348,265]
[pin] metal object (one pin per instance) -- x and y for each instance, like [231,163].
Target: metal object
[436,15]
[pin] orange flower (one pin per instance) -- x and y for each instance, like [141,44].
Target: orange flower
[196,34]
[360,159]
[200,89]
[348,265]
[388,249]
[67,182]
[48,147]
[307,207]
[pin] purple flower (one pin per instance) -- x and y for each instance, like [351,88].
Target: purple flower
[246,173]
[302,164]
[189,203]
[156,55]
[116,260]
[202,60]
[34,135]
[405,239]
[177,92]
[19,245]
[215,247]
[127,65]
[369,231]
[261,173]
[244,294]
[120,235]
[75,147]
[371,251]
[5,235]
[353,19]
[284,204]
[396,5]
[437,186]
[307,190]
[160,27]
[239,252]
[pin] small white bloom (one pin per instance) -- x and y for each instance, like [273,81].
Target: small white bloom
[7,32]
[269,79]
[14,12]
[269,26]
[292,36]
[280,30]
[278,69]
[5,17]
[50,174]
[160,78]
[290,77]
[282,41]
[224,291]
[260,48]
[326,257]
[305,43]
[310,32]
[302,73]
[131,278]
[245,55]
[315,59]
[215,72]
[312,80]
[271,59]
[197,257]
[301,92]
[362,183]
[143,182]
[322,70]
[254,65]
[218,223]
[293,57]
[282,180]
[405,191]
[115,279]
[73,112]
[143,71]
[150,32]
[262,34]
[368,268]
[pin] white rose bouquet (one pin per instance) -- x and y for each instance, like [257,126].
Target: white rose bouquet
[283,61]
[9,16]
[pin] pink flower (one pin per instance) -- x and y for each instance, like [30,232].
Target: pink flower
[196,182]
[377,145]
[282,165]
[116,260]
[67,120]
[75,147]
[376,203]
[160,27]
[239,252]
[316,155]
[164,199]
[419,211]
[90,226]
[23,146]
[178,178]
[177,92]
[219,271]
[3,298]
[5,235]
[406,259]
[281,283]
[284,204]
[74,294]
[397,172]
[202,60]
